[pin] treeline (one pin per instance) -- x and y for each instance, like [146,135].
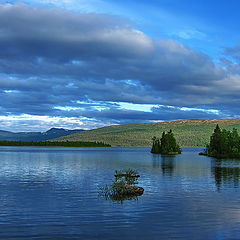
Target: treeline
[55,144]
[224,144]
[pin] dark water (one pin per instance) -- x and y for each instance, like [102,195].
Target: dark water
[52,193]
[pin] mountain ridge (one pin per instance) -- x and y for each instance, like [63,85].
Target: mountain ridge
[189,133]
[36,136]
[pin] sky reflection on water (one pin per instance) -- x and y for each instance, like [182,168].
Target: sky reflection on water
[52,193]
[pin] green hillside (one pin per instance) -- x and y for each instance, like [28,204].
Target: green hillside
[190,133]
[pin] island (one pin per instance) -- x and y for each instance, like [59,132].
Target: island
[123,187]
[223,144]
[166,145]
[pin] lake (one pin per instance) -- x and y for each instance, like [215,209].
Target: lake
[53,193]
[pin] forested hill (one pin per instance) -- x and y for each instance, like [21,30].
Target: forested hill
[189,133]
[35,136]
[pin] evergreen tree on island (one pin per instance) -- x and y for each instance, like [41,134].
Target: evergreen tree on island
[223,144]
[166,145]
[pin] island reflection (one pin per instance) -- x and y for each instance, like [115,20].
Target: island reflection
[226,173]
[166,163]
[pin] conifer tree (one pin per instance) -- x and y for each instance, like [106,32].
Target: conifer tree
[215,140]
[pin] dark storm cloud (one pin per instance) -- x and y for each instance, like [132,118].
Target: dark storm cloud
[124,116]
[52,58]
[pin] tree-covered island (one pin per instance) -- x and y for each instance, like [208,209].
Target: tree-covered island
[223,144]
[166,144]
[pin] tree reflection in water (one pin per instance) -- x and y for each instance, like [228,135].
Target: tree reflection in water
[226,172]
[165,162]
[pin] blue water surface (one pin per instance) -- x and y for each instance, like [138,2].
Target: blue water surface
[53,193]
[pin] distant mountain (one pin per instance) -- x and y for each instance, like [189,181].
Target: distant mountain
[36,136]
[189,133]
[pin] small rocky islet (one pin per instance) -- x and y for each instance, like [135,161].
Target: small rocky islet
[124,186]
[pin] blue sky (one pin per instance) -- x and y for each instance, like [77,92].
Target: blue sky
[92,63]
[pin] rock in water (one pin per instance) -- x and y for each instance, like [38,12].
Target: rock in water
[134,190]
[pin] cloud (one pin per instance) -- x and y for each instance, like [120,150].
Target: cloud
[62,36]
[233,52]
[93,115]
[26,122]
[120,115]
[190,34]
[52,57]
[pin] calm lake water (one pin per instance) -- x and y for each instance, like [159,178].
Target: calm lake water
[52,193]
